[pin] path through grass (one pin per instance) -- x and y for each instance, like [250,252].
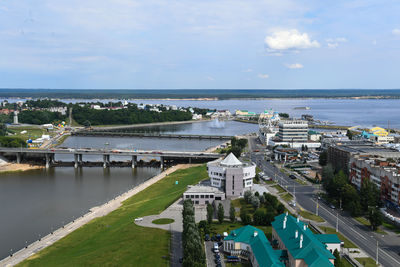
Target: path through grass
[115,240]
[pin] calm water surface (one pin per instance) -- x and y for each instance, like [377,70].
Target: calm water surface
[34,202]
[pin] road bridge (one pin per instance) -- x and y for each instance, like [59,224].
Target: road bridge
[49,154]
[153,135]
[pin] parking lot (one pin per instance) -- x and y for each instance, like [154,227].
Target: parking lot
[210,255]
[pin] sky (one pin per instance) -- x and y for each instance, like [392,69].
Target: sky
[185,44]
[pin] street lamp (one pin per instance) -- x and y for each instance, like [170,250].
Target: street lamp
[337,221]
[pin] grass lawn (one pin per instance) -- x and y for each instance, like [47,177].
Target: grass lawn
[345,263]
[163,221]
[31,132]
[310,216]
[287,197]
[347,243]
[115,240]
[299,181]
[239,264]
[367,262]
[365,222]
[279,188]
[270,182]
[391,227]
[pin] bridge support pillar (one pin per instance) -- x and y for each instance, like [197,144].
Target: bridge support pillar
[48,160]
[106,161]
[162,163]
[134,161]
[19,157]
[190,160]
[75,161]
[80,158]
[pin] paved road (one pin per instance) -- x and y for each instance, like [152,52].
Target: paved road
[389,246]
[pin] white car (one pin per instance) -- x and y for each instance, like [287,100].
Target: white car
[139,219]
[292,203]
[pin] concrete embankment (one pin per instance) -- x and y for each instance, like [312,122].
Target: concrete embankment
[93,213]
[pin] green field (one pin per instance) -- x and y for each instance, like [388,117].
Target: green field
[367,262]
[163,221]
[287,197]
[365,222]
[310,216]
[115,240]
[279,188]
[32,132]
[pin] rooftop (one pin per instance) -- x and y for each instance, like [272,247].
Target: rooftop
[202,189]
[306,245]
[259,243]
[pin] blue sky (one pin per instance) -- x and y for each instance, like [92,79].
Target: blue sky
[199,44]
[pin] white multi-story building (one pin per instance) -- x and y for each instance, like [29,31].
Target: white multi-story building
[293,131]
[232,175]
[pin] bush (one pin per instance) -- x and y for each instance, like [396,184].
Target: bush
[259,217]
[247,195]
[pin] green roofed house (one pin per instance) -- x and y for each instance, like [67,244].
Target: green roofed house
[250,242]
[304,248]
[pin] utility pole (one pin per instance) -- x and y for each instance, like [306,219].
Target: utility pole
[337,222]
[316,210]
[377,252]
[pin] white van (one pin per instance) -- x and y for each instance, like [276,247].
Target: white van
[216,249]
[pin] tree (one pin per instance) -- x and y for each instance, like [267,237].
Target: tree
[349,134]
[210,213]
[323,158]
[245,217]
[259,217]
[232,216]
[338,262]
[269,217]
[220,213]
[255,201]
[369,195]
[375,218]
[280,208]
[247,195]
[262,199]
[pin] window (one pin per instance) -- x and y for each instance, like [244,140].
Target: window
[207,202]
[211,196]
[197,196]
[196,202]
[202,196]
[187,196]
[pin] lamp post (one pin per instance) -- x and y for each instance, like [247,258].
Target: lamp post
[337,221]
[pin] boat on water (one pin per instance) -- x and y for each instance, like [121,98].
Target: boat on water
[303,108]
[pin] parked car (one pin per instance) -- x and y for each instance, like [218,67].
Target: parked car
[207,237]
[216,248]
[292,177]
[292,203]
[332,206]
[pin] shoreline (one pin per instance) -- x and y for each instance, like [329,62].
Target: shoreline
[18,167]
[94,212]
[147,124]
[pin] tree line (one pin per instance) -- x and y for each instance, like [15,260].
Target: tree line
[193,252]
[364,202]
[40,117]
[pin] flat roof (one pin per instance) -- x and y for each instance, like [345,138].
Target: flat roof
[202,189]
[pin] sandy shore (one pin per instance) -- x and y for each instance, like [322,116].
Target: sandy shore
[15,167]
[94,212]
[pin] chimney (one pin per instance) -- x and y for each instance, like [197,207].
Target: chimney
[255,233]
[287,213]
[296,234]
[284,223]
[301,241]
[304,227]
[298,220]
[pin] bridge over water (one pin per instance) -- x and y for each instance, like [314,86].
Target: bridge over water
[48,155]
[125,133]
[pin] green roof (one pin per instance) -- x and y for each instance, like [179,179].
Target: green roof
[313,251]
[328,238]
[259,244]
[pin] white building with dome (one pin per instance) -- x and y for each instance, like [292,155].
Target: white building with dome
[231,175]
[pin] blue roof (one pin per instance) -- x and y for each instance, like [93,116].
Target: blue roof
[259,244]
[313,251]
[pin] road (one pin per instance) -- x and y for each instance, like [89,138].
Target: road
[389,246]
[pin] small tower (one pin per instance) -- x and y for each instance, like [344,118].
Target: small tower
[15,117]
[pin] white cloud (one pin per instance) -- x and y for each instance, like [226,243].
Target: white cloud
[263,76]
[289,40]
[295,66]
[247,70]
[334,42]
[396,31]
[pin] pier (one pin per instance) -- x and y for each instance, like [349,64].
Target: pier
[121,133]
